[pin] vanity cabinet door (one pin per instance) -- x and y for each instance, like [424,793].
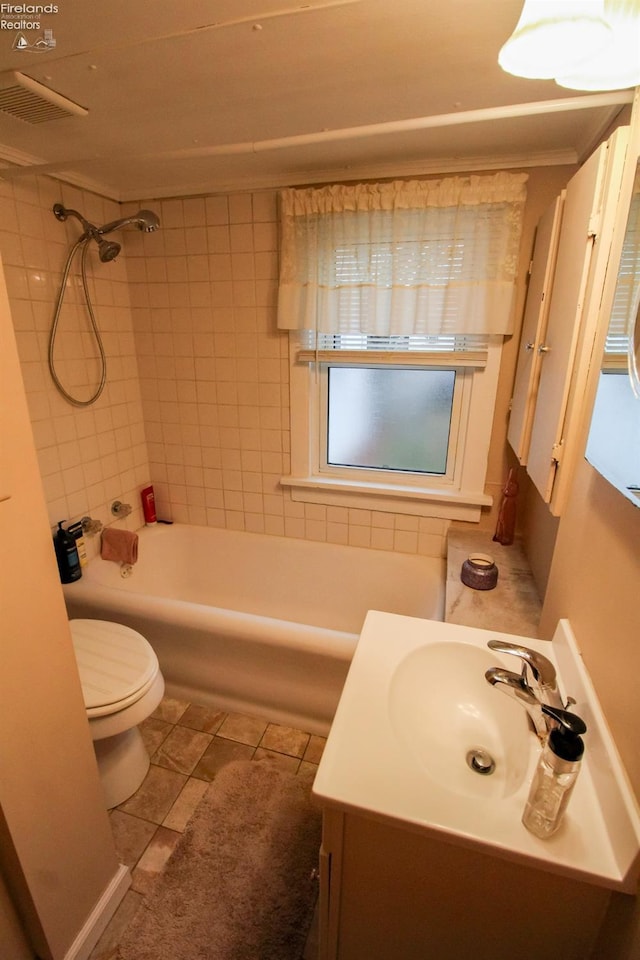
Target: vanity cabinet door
[399,895]
[534,328]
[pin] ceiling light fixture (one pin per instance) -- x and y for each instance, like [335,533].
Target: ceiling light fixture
[581,44]
[552,37]
[617,66]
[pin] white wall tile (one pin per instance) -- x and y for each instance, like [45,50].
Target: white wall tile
[188,318]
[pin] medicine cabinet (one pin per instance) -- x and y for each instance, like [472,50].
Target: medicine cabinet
[613,447]
[569,265]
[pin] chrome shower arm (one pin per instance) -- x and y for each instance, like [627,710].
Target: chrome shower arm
[116,225]
[63,213]
[145,220]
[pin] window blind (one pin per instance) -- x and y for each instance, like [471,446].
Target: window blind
[626,299]
[452,350]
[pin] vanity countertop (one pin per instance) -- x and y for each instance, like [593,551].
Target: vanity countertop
[513,606]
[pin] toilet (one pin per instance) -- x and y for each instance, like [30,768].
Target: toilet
[122,685]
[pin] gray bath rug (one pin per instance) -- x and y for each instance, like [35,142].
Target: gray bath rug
[238,885]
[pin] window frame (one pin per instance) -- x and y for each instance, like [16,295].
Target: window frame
[459,497]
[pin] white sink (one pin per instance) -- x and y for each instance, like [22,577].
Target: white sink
[415,702]
[467,736]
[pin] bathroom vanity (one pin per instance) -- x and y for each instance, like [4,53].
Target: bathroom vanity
[422,856]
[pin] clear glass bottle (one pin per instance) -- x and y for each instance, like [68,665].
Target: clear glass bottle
[555,775]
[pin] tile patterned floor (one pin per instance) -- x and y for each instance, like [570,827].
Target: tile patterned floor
[188,745]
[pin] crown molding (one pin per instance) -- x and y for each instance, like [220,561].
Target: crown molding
[22,165]
[386,171]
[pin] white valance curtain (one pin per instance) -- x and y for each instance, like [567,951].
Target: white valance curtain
[409,258]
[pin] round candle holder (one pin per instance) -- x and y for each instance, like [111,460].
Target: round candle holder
[479,572]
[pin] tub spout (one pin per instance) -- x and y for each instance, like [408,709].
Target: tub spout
[516,687]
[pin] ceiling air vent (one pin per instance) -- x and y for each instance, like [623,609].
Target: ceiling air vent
[26,99]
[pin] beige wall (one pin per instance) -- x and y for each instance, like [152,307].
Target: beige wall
[12,935]
[539,531]
[593,581]
[56,849]
[592,561]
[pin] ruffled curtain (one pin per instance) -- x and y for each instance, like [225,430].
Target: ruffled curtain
[424,257]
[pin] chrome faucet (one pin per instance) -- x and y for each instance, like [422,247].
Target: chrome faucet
[515,685]
[535,687]
[538,672]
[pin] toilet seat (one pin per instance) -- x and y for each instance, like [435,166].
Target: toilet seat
[117,665]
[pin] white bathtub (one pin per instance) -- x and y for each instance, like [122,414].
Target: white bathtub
[253,623]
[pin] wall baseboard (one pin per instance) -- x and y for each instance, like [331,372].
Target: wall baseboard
[95,924]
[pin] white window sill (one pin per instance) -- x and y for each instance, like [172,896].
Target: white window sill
[419,501]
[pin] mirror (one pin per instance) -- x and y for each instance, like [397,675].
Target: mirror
[613,447]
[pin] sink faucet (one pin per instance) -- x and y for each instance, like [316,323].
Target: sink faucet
[515,685]
[538,673]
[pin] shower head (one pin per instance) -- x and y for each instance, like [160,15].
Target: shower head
[108,249]
[145,220]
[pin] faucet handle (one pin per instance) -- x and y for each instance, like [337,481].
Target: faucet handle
[91,527]
[542,670]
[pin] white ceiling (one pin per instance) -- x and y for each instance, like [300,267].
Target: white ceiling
[195,96]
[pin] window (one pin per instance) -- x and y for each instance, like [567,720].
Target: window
[325,425]
[397,311]
[388,418]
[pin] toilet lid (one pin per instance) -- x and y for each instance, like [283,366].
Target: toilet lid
[116,664]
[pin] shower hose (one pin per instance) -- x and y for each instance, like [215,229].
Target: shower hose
[82,242]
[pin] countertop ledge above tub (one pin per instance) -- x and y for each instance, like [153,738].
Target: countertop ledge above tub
[513,606]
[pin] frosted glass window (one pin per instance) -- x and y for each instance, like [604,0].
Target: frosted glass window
[389,419]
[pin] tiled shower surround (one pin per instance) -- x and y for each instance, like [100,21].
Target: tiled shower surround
[197,395]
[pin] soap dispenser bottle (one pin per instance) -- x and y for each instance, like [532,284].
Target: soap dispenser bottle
[66,555]
[556,774]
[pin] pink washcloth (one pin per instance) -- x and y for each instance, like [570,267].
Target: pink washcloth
[119,545]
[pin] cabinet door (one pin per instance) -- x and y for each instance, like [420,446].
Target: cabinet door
[534,328]
[575,247]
